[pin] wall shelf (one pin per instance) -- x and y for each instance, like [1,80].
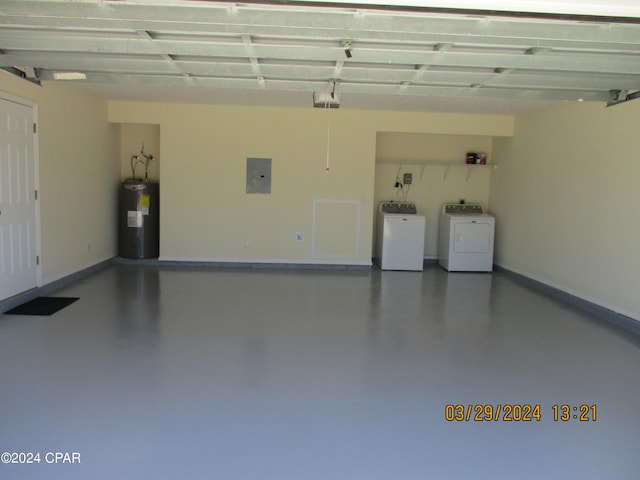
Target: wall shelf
[446,165]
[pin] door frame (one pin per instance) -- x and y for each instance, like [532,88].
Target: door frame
[36,172]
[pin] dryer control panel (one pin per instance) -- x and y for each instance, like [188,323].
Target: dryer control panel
[398,207]
[463,209]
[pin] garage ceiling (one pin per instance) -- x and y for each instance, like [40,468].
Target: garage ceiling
[279,53]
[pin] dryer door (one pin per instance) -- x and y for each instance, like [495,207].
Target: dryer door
[473,237]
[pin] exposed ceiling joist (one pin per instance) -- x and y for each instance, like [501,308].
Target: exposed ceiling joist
[282,47]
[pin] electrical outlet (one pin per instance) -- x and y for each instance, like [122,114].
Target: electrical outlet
[408,178]
[299,237]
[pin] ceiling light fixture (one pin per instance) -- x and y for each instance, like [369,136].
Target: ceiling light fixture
[69,76]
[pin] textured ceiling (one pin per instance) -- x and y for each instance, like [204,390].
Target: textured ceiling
[280,53]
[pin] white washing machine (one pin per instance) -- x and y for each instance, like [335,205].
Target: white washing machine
[466,238]
[400,237]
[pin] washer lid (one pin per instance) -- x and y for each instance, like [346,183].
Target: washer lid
[397,207]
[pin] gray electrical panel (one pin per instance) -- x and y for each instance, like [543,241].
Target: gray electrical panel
[258,175]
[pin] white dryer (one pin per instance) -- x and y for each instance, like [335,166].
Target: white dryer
[466,238]
[400,237]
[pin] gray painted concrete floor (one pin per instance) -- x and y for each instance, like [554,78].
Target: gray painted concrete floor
[236,374]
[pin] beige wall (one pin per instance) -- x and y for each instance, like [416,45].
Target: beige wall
[440,174]
[565,197]
[78,170]
[206,213]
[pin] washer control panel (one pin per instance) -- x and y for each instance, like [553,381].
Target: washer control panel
[463,209]
[398,207]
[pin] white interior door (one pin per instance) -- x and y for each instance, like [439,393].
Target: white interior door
[19,269]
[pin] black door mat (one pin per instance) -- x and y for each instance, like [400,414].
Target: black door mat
[42,306]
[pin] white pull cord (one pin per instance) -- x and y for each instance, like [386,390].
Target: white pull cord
[327,169]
